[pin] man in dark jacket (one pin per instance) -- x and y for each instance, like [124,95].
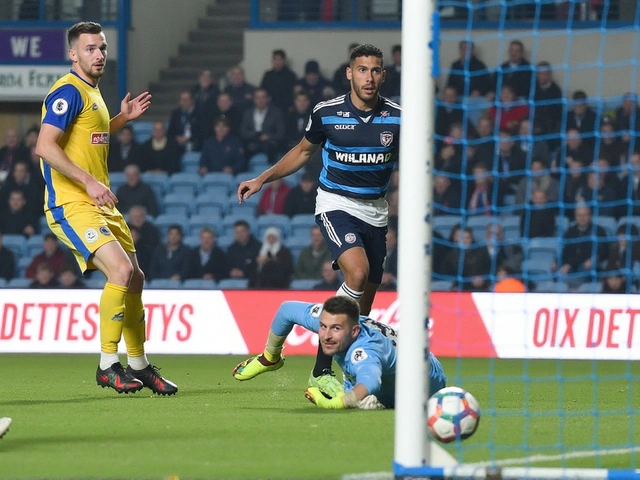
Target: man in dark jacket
[479,85]
[172,259]
[243,252]
[208,261]
[136,192]
[279,81]
[580,251]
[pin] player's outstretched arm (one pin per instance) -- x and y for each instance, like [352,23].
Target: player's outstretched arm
[47,147]
[130,109]
[293,161]
[346,400]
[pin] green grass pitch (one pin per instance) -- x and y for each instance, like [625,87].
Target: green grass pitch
[67,427]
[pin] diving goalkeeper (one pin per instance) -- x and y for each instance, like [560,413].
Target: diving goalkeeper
[364,349]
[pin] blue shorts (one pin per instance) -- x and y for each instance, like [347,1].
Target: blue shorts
[342,231]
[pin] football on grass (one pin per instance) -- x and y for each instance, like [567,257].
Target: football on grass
[452,414]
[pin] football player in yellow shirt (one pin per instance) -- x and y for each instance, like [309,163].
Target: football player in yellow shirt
[81,209]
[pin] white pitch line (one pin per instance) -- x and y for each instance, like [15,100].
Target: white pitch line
[554,458]
[368,476]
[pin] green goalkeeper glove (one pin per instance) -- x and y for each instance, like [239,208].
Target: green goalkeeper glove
[314,395]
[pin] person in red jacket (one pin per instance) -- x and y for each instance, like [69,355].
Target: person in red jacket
[273,197]
[509,111]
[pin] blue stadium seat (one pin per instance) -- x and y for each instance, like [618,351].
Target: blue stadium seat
[44,226]
[303,284]
[538,272]
[225,240]
[247,207]
[218,179]
[116,179]
[551,245]
[302,223]
[299,240]
[543,257]
[35,245]
[478,224]
[199,284]
[163,222]
[293,180]
[280,221]
[158,181]
[552,287]
[19,283]
[191,241]
[96,277]
[590,287]
[3,282]
[441,286]
[511,226]
[164,284]
[608,223]
[16,243]
[142,130]
[229,220]
[233,284]
[634,220]
[178,204]
[562,223]
[190,162]
[96,283]
[184,183]
[210,205]
[443,224]
[197,222]
[241,177]
[259,161]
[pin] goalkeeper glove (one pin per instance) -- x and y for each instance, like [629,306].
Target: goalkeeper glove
[314,395]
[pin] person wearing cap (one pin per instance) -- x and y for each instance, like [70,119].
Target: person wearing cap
[313,82]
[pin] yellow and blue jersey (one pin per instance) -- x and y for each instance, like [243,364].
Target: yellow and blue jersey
[76,107]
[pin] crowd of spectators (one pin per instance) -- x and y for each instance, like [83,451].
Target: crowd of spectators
[516,158]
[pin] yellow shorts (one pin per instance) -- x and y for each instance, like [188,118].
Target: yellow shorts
[84,228]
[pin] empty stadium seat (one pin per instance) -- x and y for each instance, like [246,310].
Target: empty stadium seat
[225,240]
[259,161]
[190,162]
[198,222]
[562,223]
[19,283]
[541,244]
[191,241]
[241,177]
[164,221]
[142,130]
[184,183]
[158,181]
[164,284]
[478,225]
[3,283]
[35,245]
[302,223]
[536,271]
[233,284]
[511,226]
[303,284]
[218,179]
[16,243]
[280,221]
[96,283]
[443,224]
[229,220]
[608,223]
[634,220]
[199,284]
[116,179]
[178,204]
[590,287]
[552,287]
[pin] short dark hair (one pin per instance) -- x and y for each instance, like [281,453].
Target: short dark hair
[279,53]
[223,121]
[241,223]
[175,226]
[518,43]
[82,27]
[579,95]
[396,48]
[366,50]
[50,236]
[343,305]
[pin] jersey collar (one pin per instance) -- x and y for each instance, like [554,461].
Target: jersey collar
[361,114]
[73,72]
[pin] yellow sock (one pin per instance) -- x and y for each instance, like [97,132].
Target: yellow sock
[111,317]
[135,333]
[273,350]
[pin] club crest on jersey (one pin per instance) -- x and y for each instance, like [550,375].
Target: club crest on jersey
[105,231]
[350,237]
[94,106]
[100,138]
[316,310]
[90,235]
[386,138]
[358,355]
[60,106]
[384,114]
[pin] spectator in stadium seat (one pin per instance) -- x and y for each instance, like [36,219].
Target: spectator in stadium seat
[446,198]
[537,217]
[611,179]
[576,149]
[275,262]
[446,114]
[486,147]
[20,178]
[615,281]
[582,118]
[148,235]
[188,124]
[312,257]
[11,152]
[515,72]
[224,108]
[548,100]
[273,198]
[262,127]
[297,119]
[467,263]
[510,111]
[239,90]
[503,252]
[579,248]
[18,219]
[68,278]
[330,279]
[340,83]
[530,144]
[170,260]
[136,192]
[484,193]
[391,86]
[313,82]
[51,254]
[628,117]
[511,163]
[603,196]
[7,262]
[625,251]
[279,81]
[160,154]
[223,152]
[124,151]
[630,185]
[538,178]
[31,137]
[506,283]
[243,252]
[45,277]
[302,197]
[573,180]
[479,85]
[208,261]
[611,145]
[449,156]
[390,275]
[205,92]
